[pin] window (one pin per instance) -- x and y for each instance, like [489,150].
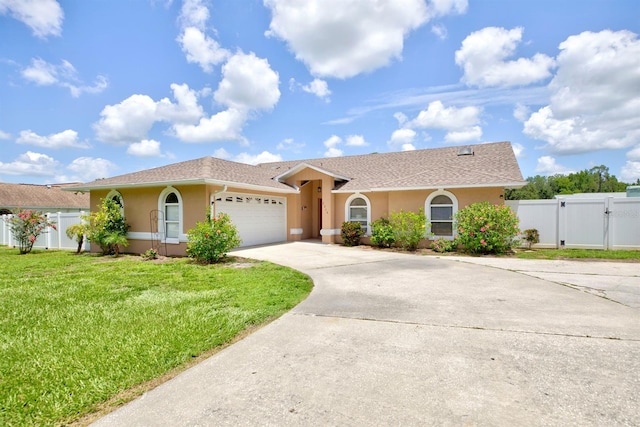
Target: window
[440,208]
[358,209]
[170,204]
[116,197]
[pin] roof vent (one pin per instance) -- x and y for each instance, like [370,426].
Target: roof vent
[465,151]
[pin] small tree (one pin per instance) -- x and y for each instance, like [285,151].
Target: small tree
[26,225]
[209,241]
[77,232]
[409,228]
[485,228]
[107,227]
[351,233]
[531,236]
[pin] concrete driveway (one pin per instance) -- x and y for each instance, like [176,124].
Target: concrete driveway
[396,339]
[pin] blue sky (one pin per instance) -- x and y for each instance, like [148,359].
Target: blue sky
[92,89]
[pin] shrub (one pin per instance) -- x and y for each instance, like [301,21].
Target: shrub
[532,236]
[149,254]
[209,241]
[107,227]
[382,234]
[409,228]
[484,228]
[443,245]
[26,225]
[351,232]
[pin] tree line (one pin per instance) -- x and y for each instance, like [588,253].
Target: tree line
[594,180]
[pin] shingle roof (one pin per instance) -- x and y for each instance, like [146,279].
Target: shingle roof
[13,196]
[491,165]
[204,169]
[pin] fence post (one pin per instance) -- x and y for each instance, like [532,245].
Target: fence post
[562,224]
[58,229]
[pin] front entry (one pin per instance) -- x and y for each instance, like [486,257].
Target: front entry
[319,217]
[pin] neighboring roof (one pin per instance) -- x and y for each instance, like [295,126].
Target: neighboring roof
[489,165]
[30,196]
[205,170]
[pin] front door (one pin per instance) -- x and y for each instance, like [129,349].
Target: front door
[319,216]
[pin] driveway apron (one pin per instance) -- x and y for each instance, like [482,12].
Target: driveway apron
[397,339]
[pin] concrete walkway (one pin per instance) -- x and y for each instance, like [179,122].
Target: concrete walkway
[396,339]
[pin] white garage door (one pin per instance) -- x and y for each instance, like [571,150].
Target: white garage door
[259,219]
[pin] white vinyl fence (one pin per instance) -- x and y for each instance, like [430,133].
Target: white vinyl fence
[603,223]
[51,239]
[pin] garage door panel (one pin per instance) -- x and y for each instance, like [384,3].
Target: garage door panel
[259,219]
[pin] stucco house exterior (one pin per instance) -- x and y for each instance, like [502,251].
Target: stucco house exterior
[296,200]
[45,198]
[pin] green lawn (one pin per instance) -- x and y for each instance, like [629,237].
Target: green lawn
[578,254]
[76,331]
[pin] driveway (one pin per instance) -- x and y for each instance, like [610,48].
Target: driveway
[396,339]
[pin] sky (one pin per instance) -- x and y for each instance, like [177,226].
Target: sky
[93,89]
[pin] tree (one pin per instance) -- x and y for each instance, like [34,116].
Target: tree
[107,227]
[26,225]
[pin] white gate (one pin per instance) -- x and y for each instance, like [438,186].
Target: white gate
[604,223]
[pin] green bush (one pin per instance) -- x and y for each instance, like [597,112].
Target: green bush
[26,225]
[107,227]
[351,232]
[209,241]
[531,236]
[409,228]
[485,228]
[382,234]
[443,245]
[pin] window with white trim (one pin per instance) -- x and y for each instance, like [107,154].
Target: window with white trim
[170,204]
[441,207]
[358,209]
[116,197]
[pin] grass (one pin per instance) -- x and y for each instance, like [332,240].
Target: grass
[579,254]
[75,331]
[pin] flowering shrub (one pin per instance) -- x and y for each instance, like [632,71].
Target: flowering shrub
[107,227]
[408,228]
[351,232]
[382,234]
[443,245]
[26,225]
[209,241]
[484,228]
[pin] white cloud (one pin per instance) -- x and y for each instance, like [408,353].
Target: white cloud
[447,7]
[521,112]
[484,57]
[630,172]
[44,17]
[43,73]
[518,149]
[65,139]
[361,38]
[461,124]
[4,135]
[401,118]
[31,163]
[221,153]
[331,145]
[356,141]
[440,31]
[408,147]
[319,88]
[634,155]
[547,166]
[594,109]
[223,126]
[401,137]
[130,120]
[89,168]
[264,157]
[201,49]
[248,83]
[290,144]
[198,47]
[145,148]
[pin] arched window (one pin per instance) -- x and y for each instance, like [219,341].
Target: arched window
[170,204]
[358,209]
[440,207]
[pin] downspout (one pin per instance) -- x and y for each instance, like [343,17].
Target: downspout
[213,198]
